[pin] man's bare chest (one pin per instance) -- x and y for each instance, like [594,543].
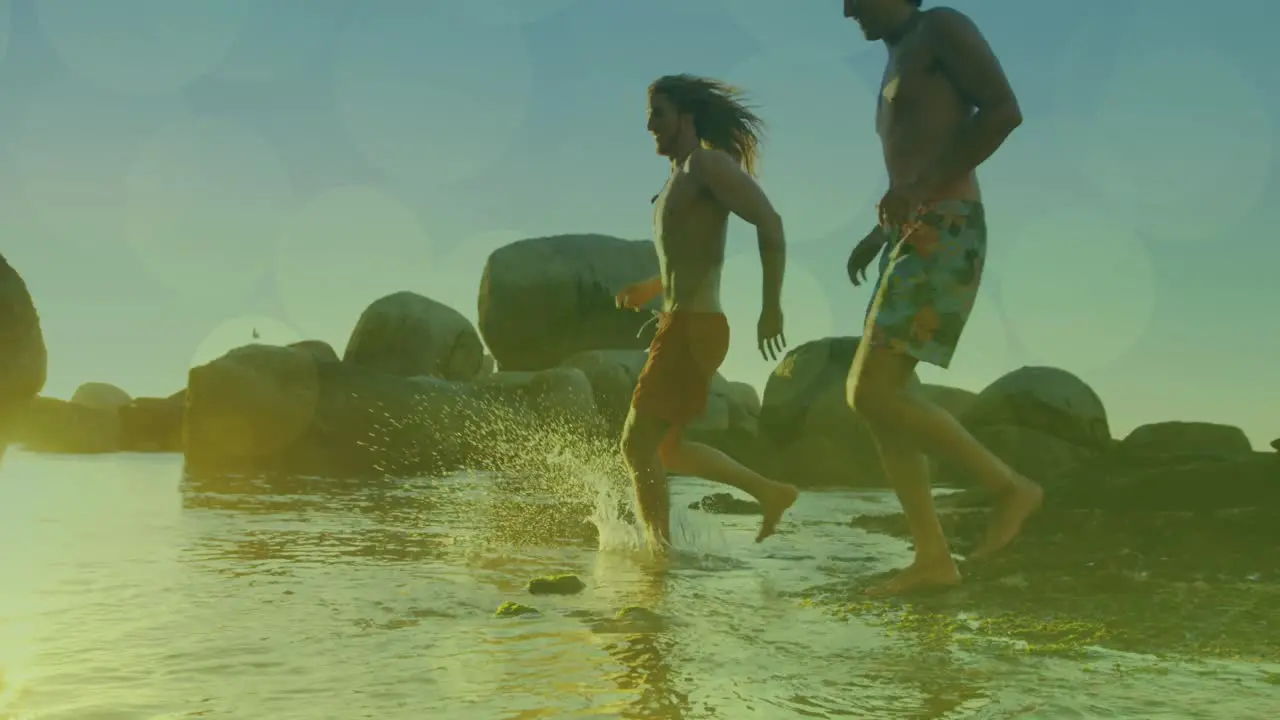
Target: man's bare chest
[679,201]
[910,84]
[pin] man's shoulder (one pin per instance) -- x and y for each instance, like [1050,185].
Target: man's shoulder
[941,20]
[704,156]
[705,160]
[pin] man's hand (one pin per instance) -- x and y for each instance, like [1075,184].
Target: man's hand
[864,253]
[901,202]
[769,333]
[637,295]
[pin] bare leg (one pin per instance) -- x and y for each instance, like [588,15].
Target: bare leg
[640,440]
[908,471]
[878,389]
[698,460]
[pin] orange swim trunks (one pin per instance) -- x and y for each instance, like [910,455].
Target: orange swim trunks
[686,352]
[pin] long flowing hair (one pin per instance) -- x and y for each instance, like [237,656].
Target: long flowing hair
[721,118]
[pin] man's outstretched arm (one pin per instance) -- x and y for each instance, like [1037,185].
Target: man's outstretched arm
[740,193]
[968,61]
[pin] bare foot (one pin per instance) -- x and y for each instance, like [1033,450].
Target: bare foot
[784,497]
[940,574]
[1010,513]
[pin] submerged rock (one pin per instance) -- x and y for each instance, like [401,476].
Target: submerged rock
[631,620]
[514,609]
[556,585]
[726,504]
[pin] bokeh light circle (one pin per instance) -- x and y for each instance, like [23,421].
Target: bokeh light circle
[456,273]
[6,26]
[77,144]
[142,46]
[1078,289]
[503,12]
[412,108]
[346,248]
[240,331]
[819,171]
[207,199]
[812,30]
[1184,167]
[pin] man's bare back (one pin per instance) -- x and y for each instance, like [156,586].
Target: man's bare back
[920,111]
[689,231]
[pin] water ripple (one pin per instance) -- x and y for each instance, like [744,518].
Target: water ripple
[130,593]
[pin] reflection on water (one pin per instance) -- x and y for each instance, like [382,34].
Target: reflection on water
[132,593]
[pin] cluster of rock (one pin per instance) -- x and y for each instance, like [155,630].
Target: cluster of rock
[1046,422]
[414,392]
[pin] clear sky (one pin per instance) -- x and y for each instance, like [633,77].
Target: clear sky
[175,174]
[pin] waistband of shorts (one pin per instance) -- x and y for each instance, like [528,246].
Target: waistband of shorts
[953,207]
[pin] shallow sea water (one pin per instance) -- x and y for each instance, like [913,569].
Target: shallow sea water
[128,592]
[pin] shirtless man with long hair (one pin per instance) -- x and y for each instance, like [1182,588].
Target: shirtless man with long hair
[712,140]
[945,106]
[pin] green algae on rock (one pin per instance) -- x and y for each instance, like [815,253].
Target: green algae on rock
[515,609]
[556,585]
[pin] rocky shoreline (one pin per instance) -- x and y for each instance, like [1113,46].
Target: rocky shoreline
[414,393]
[1202,585]
[1163,539]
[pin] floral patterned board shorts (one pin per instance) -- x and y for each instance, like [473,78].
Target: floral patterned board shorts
[929,276]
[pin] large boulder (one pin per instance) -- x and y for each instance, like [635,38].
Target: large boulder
[1047,423]
[150,424]
[57,426]
[1049,400]
[817,440]
[1180,481]
[543,300]
[613,375]
[279,409]
[563,396]
[408,335]
[23,358]
[103,396]
[1186,438]
[318,349]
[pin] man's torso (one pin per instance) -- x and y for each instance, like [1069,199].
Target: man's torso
[919,112]
[689,227]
